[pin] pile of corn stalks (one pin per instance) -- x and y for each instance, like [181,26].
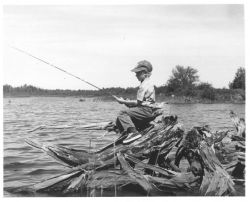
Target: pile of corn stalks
[154,163]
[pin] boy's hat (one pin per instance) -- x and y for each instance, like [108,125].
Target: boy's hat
[143,65]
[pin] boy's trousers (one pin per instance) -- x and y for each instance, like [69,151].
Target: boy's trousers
[135,117]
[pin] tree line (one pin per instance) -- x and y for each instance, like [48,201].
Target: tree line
[184,81]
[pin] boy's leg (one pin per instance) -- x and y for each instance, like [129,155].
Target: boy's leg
[127,118]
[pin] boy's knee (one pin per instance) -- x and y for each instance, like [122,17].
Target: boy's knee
[122,112]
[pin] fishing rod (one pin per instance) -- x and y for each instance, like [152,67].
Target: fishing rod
[58,68]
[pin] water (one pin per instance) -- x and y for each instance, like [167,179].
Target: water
[24,165]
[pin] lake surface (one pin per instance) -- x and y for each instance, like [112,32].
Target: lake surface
[24,165]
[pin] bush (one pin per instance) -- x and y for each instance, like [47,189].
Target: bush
[208,93]
[203,85]
[190,92]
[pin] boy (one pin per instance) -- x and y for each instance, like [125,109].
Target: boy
[141,110]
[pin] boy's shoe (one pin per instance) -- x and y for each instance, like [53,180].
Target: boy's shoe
[132,137]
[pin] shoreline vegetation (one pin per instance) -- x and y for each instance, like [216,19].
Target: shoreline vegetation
[183,86]
[211,95]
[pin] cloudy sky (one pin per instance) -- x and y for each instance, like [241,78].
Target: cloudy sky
[101,44]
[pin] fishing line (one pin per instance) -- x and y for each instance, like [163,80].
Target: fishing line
[58,68]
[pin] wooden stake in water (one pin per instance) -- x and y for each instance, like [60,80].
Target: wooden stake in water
[101,190]
[88,191]
[114,167]
[94,190]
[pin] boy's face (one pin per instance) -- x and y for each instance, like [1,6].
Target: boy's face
[141,75]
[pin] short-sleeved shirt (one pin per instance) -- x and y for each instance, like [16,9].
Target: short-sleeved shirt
[146,93]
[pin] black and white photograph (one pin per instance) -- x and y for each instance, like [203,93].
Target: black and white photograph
[124,100]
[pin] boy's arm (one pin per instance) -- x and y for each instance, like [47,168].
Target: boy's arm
[132,103]
[129,103]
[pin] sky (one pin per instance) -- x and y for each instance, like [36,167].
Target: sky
[101,44]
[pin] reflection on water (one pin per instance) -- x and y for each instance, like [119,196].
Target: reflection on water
[24,165]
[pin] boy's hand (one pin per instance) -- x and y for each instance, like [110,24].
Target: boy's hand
[119,99]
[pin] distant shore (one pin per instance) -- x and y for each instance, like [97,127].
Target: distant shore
[182,96]
[194,100]
[165,99]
